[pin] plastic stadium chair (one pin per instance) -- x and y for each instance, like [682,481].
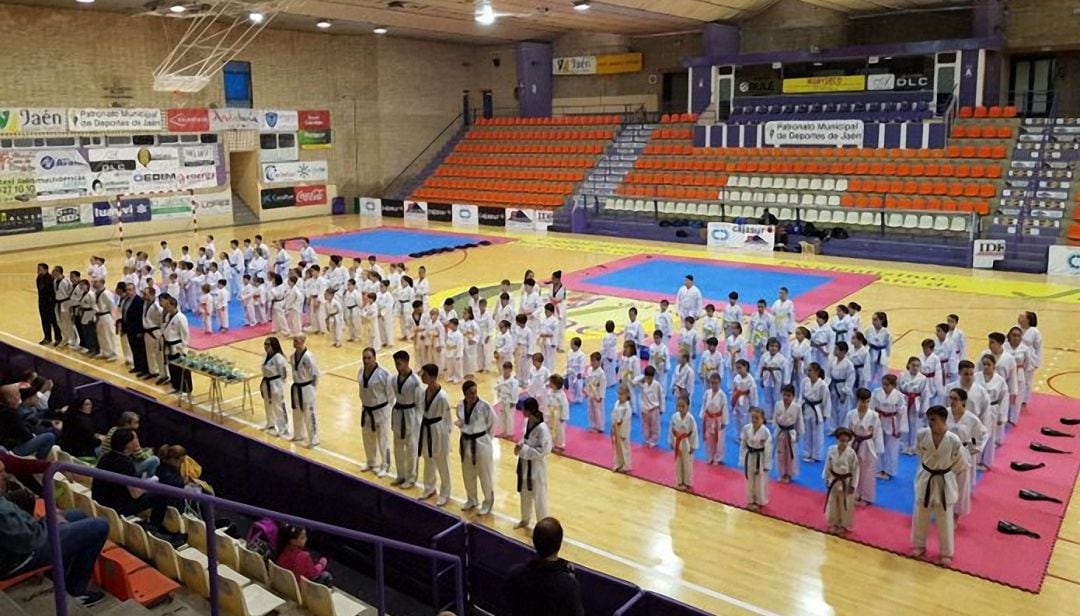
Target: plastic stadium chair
[959,223]
[283,582]
[810,215]
[941,223]
[321,601]
[824,216]
[895,220]
[786,214]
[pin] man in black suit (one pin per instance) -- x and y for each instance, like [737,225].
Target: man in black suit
[131,325]
[46,301]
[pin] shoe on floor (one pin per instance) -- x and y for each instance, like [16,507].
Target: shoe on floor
[91,598]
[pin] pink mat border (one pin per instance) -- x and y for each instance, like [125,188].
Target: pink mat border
[839,286]
[1016,561]
[294,244]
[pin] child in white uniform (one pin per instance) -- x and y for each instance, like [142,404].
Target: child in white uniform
[683,440]
[841,475]
[506,393]
[620,430]
[714,420]
[558,411]
[787,414]
[755,456]
[595,390]
[575,370]
[865,425]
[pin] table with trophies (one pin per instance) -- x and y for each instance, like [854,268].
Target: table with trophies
[221,373]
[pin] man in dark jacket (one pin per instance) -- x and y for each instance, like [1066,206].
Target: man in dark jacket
[24,543]
[544,586]
[46,304]
[131,325]
[15,436]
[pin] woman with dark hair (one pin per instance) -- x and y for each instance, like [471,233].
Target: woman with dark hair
[1032,337]
[79,438]
[274,372]
[532,451]
[294,556]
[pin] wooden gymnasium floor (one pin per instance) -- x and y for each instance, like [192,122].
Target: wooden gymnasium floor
[719,558]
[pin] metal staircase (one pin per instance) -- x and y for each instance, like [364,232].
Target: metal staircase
[613,166]
[242,213]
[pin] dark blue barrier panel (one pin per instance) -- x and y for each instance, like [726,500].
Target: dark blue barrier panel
[492,555]
[652,604]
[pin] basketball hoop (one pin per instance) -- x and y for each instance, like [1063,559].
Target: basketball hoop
[216,34]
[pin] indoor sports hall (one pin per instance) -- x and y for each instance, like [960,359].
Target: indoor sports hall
[695,231]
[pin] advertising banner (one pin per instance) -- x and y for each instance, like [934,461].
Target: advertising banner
[741,237]
[295,172]
[466,216]
[30,120]
[492,216]
[17,188]
[520,219]
[113,119]
[314,139]
[439,212]
[278,121]
[834,83]
[20,220]
[213,204]
[393,208]
[273,198]
[172,207]
[604,64]
[889,81]
[370,207]
[543,220]
[233,119]
[314,119]
[187,120]
[103,213]
[135,210]
[1064,261]
[61,174]
[416,211]
[814,132]
[985,252]
[310,195]
[67,217]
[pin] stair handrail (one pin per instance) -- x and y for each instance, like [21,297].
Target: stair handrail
[207,505]
[386,192]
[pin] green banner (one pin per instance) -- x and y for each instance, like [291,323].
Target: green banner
[314,139]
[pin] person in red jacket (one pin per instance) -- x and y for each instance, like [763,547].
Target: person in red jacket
[296,558]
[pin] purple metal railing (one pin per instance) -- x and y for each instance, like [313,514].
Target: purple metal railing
[208,504]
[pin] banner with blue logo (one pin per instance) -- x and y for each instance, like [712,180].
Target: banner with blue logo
[103,214]
[135,210]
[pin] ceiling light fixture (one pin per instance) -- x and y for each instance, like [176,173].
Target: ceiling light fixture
[485,14]
[380,30]
[177,8]
[323,24]
[256,17]
[85,1]
[582,5]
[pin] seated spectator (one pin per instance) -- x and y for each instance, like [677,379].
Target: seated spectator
[296,558]
[126,500]
[36,420]
[79,438]
[544,586]
[146,462]
[25,546]
[14,435]
[767,218]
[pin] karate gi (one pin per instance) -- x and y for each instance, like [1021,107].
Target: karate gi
[506,393]
[558,299]
[405,420]
[504,349]
[376,396]
[762,327]
[711,363]
[731,315]
[547,341]
[683,440]
[688,302]
[936,489]
[434,444]
[973,435]
[576,367]
[454,355]
[303,396]
[620,435]
[860,361]
[841,377]
[294,308]
[947,359]
[609,356]
[682,383]
[248,295]
[821,345]
[1031,337]
[815,402]
[106,326]
[880,343]
[755,456]
[789,426]
[892,411]
[523,343]
[744,395]
[64,290]
[916,390]
[689,340]
[536,385]
[714,420]
[841,475]
[335,320]
[485,324]
[532,471]
[175,336]
[633,332]
[531,306]
[557,415]
[930,367]
[841,327]
[422,292]
[403,299]
[1006,367]
[221,308]
[786,320]
[470,331]
[868,445]
[711,328]
[476,452]
[652,409]
[385,303]
[800,354]
[595,389]
[993,418]
[774,371]
[1023,356]
[275,369]
[664,322]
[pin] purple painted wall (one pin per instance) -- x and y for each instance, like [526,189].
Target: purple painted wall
[721,39]
[968,75]
[534,79]
[700,88]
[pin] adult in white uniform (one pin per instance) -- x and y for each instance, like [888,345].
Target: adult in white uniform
[405,420]
[303,393]
[434,444]
[275,369]
[151,322]
[376,396]
[475,419]
[688,300]
[783,310]
[532,451]
[175,335]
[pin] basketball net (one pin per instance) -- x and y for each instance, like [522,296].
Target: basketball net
[215,35]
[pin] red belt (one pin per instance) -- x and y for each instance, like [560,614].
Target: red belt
[679,438]
[892,420]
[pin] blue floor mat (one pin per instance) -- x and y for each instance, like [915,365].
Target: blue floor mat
[390,241]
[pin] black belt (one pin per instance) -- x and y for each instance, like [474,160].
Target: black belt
[859,441]
[266,380]
[401,433]
[934,473]
[813,404]
[425,429]
[296,392]
[150,330]
[858,375]
[101,314]
[369,411]
[471,439]
[878,349]
[752,451]
[172,343]
[791,428]
[837,479]
[525,465]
